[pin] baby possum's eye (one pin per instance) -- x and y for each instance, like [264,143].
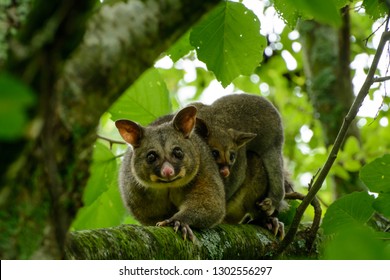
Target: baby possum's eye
[151,157]
[232,156]
[215,154]
[178,153]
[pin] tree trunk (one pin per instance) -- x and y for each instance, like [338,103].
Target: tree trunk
[222,242]
[326,53]
[44,174]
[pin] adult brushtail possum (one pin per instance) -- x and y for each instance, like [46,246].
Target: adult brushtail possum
[168,177]
[241,123]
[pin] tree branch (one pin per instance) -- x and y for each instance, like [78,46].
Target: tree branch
[111,141]
[148,242]
[337,144]
[316,220]
[381,79]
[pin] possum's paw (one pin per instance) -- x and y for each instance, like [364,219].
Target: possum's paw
[267,206]
[185,229]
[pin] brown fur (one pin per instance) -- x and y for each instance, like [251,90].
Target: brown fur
[247,115]
[169,177]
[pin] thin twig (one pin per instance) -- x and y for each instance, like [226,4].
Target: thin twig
[120,155]
[378,80]
[111,141]
[376,30]
[322,201]
[313,178]
[317,216]
[381,79]
[337,144]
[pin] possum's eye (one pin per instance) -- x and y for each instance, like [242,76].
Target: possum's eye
[178,153]
[215,154]
[151,157]
[232,156]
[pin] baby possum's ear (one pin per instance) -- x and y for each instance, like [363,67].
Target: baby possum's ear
[241,138]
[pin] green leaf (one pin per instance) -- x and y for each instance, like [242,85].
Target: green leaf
[341,3]
[321,11]
[106,211]
[180,48]
[103,205]
[287,216]
[146,100]
[229,42]
[130,221]
[376,175]
[356,243]
[245,84]
[382,204]
[103,173]
[352,165]
[326,12]
[15,99]
[350,210]
[375,8]
[352,146]
[348,158]
[288,11]
[340,171]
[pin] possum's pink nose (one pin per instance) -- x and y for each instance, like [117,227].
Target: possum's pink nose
[224,171]
[167,170]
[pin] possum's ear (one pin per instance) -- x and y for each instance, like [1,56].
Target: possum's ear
[241,138]
[130,131]
[185,120]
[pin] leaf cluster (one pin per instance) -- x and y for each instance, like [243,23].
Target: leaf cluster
[346,223]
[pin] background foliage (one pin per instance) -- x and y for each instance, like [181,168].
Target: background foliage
[228,42]
[241,47]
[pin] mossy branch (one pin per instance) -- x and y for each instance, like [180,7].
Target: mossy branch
[147,242]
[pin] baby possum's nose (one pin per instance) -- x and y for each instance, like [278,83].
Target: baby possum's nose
[224,171]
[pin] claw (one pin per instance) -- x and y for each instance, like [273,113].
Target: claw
[189,233]
[176,226]
[276,226]
[163,223]
[281,230]
[184,232]
[247,219]
[185,228]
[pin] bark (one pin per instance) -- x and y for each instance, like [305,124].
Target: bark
[222,242]
[77,65]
